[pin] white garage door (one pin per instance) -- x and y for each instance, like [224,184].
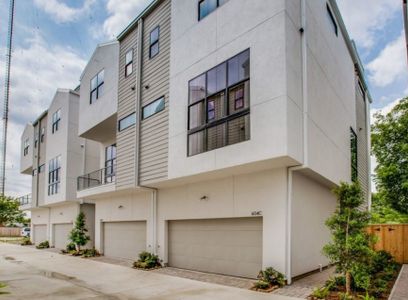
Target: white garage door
[223,246]
[124,239]
[61,233]
[40,233]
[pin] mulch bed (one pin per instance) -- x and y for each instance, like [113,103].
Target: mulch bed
[268,290]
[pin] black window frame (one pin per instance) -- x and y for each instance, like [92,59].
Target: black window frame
[123,119]
[332,19]
[353,155]
[110,163]
[26,146]
[130,63]
[228,117]
[41,168]
[97,87]
[56,118]
[155,42]
[199,8]
[42,135]
[54,175]
[162,98]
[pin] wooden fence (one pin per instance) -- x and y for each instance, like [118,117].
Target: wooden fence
[393,239]
[10,231]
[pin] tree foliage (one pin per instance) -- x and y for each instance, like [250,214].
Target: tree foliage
[350,248]
[383,213]
[390,147]
[78,234]
[10,212]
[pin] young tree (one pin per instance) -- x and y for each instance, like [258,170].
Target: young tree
[10,212]
[350,249]
[78,234]
[390,146]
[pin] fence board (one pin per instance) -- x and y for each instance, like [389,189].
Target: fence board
[393,239]
[9,231]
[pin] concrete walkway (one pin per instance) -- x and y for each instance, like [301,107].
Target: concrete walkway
[400,290]
[38,274]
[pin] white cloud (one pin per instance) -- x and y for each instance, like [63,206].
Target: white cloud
[391,64]
[38,69]
[121,13]
[366,18]
[62,13]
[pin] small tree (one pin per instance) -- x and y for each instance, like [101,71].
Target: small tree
[10,212]
[78,234]
[350,250]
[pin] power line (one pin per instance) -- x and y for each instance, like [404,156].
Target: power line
[3,140]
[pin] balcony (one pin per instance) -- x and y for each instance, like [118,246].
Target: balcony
[25,201]
[97,182]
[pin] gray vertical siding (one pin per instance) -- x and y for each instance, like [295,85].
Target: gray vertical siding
[126,139]
[155,75]
[362,143]
[39,189]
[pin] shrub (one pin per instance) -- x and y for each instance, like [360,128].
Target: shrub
[70,246]
[43,245]
[271,277]
[147,261]
[90,253]
[78,234]
[26,242]
[321,293]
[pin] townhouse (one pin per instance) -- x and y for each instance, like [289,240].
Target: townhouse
[217,129]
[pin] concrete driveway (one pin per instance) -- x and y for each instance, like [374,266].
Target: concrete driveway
[38,274]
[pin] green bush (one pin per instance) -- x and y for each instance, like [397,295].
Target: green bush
[147,261]
[70,246]
[90,253]
[271,277]
[321,293]
[43,245]
[26,242]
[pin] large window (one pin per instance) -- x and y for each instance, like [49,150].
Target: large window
[54,175]
[56,118]
[154,42]
[353,147]
[127,122]
[42,135]
[110,163]
[218,110]
[129,63]
[331,18]
[97,86]
[205,7]
[153,108]
[26,146]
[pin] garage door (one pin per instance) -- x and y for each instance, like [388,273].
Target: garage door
[40,233]
[124,239]
[61,233]
[224,246]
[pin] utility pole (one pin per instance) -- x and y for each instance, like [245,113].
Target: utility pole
[3,141]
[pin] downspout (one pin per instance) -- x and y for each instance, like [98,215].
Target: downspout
[303,29]
[138,110]
[368,126]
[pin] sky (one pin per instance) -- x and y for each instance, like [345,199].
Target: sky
[53,40]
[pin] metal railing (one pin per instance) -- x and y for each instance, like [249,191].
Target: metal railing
[24,200]
[97,178]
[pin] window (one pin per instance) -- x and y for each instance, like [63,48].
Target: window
[127,122]
[26,146]
[332,20]
[218,109]
[42,135]
[110,163]
[154,42]
[54,176]
[205,7]
[153,108]
[97,86]
[34,172]
[129,63]
[353,147]
[41,168]
[35,139]
[56,118]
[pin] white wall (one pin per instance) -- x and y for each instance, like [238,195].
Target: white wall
[216,38]
[312,204]
[26,162]
[231,197]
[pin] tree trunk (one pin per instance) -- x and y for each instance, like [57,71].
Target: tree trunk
[348,283]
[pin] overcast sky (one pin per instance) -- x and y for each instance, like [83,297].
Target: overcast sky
[55,38]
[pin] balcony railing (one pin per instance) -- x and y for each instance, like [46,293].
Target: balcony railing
[24,200]
[97,178]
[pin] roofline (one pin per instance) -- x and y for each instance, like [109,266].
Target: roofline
[108,43]
[351,47]
[43,114]
[133,24]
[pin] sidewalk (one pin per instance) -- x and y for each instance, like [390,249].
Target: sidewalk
[400,290]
